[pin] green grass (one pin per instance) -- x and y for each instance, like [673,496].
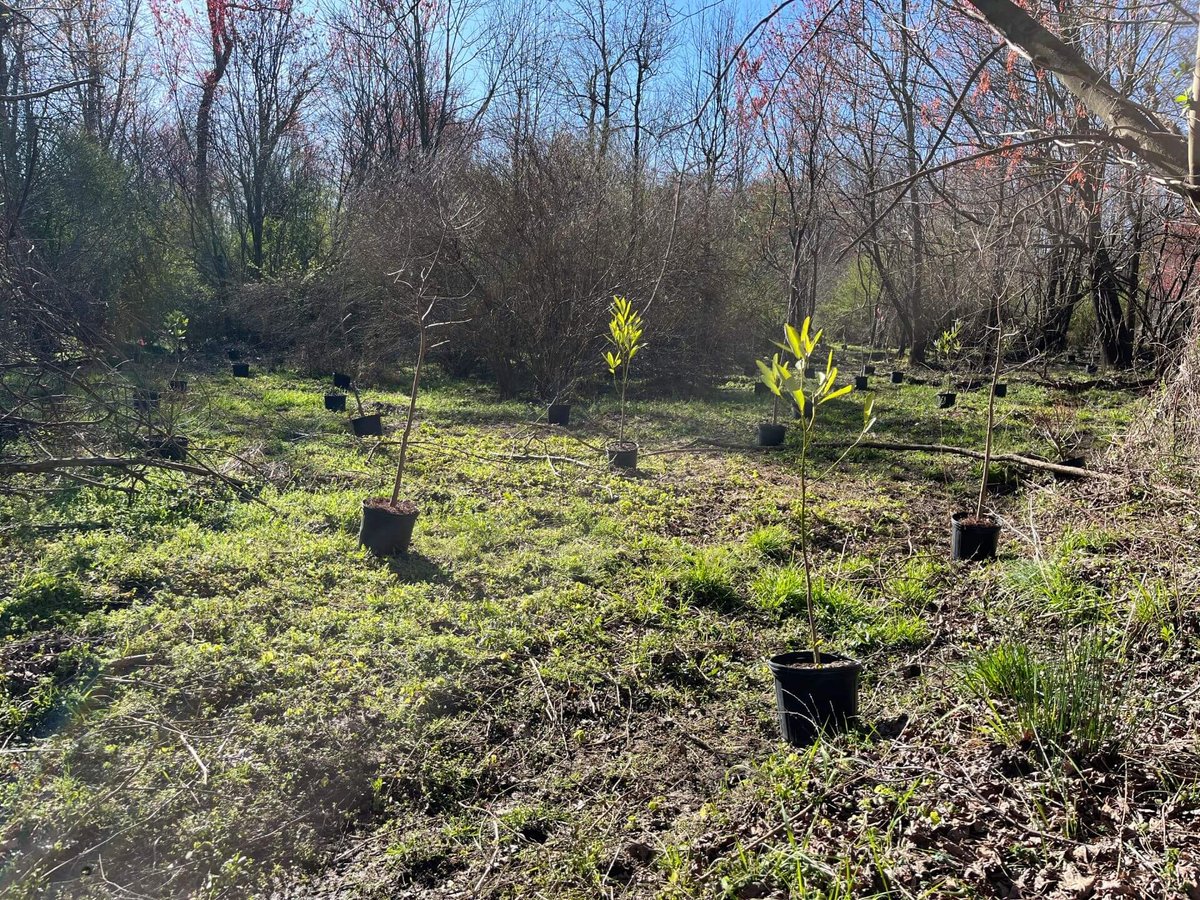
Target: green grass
[1068,700]
[230,695]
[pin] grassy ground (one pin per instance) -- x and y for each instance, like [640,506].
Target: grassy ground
[561,693]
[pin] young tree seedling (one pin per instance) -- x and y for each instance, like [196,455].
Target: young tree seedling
[948,348]
[775,375]
[625,336]
[803,348]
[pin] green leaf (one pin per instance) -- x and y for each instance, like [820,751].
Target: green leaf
[844,389]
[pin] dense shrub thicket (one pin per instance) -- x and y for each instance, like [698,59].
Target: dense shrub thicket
[292,180]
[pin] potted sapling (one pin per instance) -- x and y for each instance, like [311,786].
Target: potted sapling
[175,330]
[364,425]
[387,522]
[558,410]
[948,347]
[625,336]
[559,414]
[814,688]
[335,401]
[974,536]
[775,376]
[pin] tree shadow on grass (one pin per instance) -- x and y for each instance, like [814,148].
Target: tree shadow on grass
[416,568]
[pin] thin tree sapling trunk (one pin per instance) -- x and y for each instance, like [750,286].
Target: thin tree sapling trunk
[991,414]
[412,411]
[812,617]
[624,385]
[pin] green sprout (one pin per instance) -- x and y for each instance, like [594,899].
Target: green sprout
[775,375]
[625,335]
[807,402]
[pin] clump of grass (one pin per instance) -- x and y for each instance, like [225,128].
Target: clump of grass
[706,578]
[1053,585]
[772,541]
[779,591]
[839,604]
[1154,610]
[892,630]
[915,585]
[1068,703]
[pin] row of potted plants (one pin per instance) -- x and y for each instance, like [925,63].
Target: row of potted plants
[815,688]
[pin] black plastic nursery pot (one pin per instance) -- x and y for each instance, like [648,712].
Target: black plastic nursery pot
[770,434]
[868,370]
[179,386]
[559,414]
[1092,368]
[973,539]
[861,383]
[368,426]
[897,377]
[342,380]
[173,448]
[1000,389]
[946,399]
[809,698]
[145,400]
[335,402]
[241,370]
[622,456]
[386,530]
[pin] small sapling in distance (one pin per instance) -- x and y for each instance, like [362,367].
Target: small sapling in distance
[364,424]
[948,348]
[175,331]
[775,376]
[975,536]
[625,338]
[813,688]
[387,522]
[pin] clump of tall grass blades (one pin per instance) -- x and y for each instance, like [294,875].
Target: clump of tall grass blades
[1063,704]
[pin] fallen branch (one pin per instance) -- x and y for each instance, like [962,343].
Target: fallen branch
[48,466]
[1015,459]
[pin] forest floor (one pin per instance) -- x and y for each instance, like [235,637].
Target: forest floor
[562,692]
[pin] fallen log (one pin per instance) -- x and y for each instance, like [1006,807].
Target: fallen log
[66,464]
[1015,459]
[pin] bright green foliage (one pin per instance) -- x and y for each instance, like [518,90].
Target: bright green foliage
[803,347]
[625,336]
[175,328]
[776,375]
[707,578]
[624,333]
[772,541]
[949,343]
[948,347]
